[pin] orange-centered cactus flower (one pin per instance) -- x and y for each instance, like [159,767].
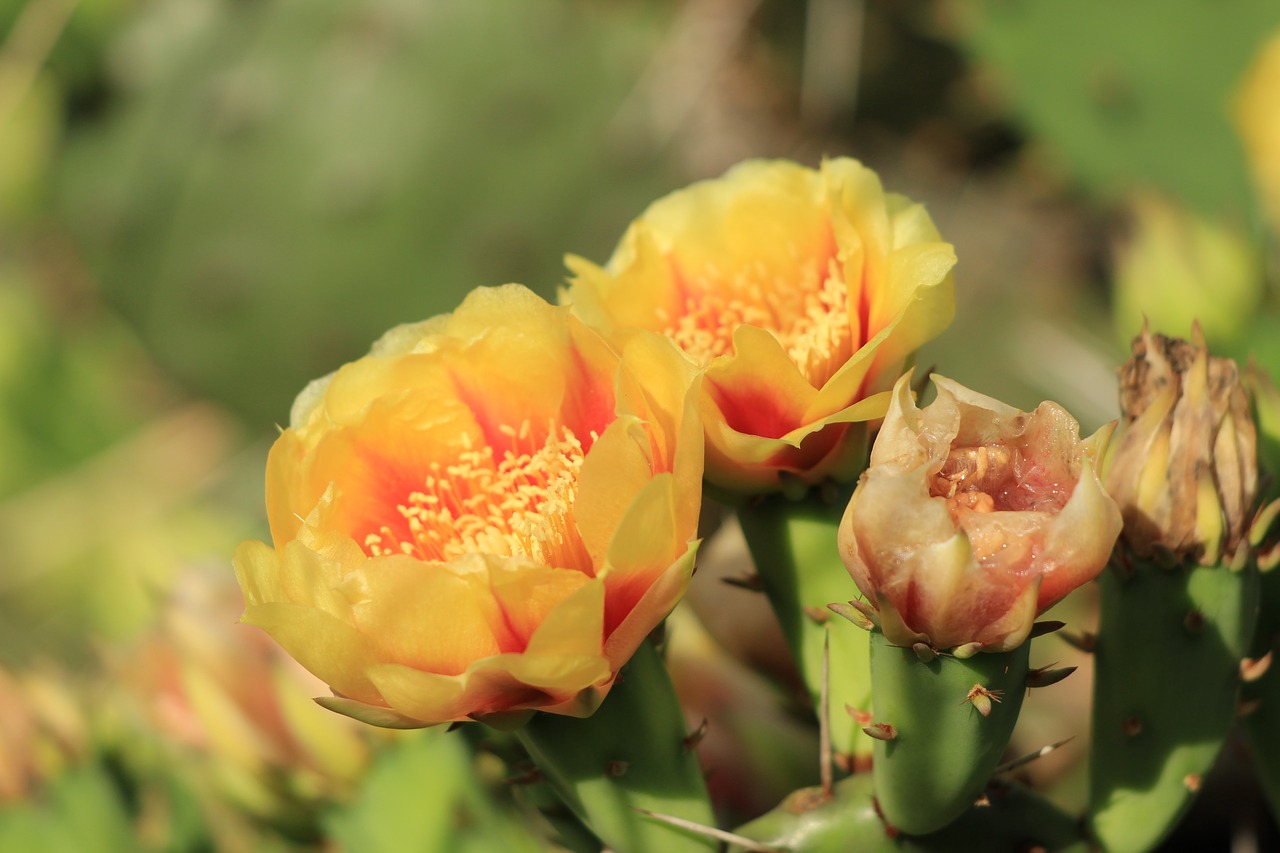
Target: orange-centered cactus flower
[802,292]
[974,517]
[484,516]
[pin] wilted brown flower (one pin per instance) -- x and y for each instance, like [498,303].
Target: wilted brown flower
[1183,465]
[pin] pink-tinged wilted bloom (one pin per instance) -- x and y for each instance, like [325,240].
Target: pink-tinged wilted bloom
[974,517]
[483,517]
[803,292]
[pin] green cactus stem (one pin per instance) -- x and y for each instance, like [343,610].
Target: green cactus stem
[1166,685]
[630,755]
[1009,818]
[793,544]
[950,720]
[1260,697]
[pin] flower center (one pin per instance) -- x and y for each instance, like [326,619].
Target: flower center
[518,505]
[807,311]
[996,476]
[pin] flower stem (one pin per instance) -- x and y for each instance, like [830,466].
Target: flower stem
[945,724]
[1014,818]
[793,544]
[1166,681]
[630,755]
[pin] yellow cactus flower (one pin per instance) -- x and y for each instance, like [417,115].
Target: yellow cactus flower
[484,516]
[1257,113]
[803,293]
[1184,465]
[973,518]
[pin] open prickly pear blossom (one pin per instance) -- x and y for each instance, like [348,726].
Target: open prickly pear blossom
[800,292]
[974,517]
[486,515]
[489,517]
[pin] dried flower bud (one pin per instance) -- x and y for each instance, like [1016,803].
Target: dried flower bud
[1183,464]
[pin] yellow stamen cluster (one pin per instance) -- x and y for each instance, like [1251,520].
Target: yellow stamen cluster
[808,314]
[521,504]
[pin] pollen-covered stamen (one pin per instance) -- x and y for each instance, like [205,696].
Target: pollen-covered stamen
[521,504]
[808,312]
[998,477]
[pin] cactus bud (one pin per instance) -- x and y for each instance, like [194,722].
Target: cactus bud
[1183,463]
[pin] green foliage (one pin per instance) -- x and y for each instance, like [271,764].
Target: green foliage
[1166,684]
[1177,268]
[64,386]
[286,180]
[1260,699]
[426,795]
[80,810]
[1132,93]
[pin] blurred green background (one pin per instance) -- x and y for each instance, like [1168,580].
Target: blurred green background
[204,204]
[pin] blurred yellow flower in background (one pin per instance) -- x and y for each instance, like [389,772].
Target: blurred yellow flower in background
[1257,110]
[803,292]
[484,516]
[973,518]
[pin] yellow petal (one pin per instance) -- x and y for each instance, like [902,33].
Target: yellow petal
[307,578]
[434,617]
[671,389]
[374,715]
[574,627]
[614,472]
[645,542]
[424,696]
[759,392]
[764,213]
[330,649]
[658,601]
[530,597]
[636,291]
[258,573]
